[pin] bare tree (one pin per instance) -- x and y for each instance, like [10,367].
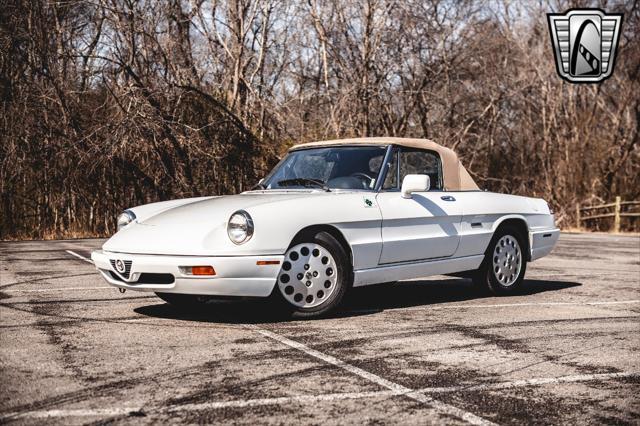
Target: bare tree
[112,103]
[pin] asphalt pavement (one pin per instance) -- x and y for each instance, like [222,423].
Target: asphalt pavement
[431,351]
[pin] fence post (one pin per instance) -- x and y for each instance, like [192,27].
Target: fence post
[578,216]
[616,218]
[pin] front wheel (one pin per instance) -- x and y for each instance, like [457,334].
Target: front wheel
[503,268]
[314,277]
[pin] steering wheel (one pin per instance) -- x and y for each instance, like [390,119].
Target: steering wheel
[365,176]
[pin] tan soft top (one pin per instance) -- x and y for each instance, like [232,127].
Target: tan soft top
[456,177]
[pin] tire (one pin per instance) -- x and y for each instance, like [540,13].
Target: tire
[183,301]
[504,265]
[314,277]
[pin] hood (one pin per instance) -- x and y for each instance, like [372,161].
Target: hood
[199,227]
[216,209]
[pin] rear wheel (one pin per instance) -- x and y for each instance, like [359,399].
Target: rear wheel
[504,265]
[314,277]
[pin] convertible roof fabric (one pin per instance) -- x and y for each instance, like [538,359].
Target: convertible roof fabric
[456,177]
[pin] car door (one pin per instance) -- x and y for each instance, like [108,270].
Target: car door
[425,226]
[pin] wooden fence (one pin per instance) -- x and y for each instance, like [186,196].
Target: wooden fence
[617,214]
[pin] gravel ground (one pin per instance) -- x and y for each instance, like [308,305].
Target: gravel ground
[564,350]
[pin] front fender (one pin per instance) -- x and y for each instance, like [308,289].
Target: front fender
[359,224]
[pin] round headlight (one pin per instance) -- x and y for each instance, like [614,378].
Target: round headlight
[125,218]
[240,227]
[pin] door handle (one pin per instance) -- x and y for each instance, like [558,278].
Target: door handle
[447,198]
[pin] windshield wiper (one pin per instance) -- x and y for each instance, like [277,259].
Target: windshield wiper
[306,182]
[258,186]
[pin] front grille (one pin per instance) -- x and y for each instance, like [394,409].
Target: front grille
[127,267]
[147,278]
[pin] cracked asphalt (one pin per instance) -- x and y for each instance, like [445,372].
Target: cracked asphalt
[431,351]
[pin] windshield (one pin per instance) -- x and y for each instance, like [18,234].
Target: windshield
[333,167]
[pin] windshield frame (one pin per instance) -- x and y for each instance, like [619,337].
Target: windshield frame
[379,178]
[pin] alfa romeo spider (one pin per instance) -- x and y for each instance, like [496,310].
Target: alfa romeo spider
[331,216]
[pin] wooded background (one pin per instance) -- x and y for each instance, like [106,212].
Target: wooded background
[108,104]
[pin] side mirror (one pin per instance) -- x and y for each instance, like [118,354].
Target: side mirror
[414,183]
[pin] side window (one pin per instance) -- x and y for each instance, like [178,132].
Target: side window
[417,162]
[391,179]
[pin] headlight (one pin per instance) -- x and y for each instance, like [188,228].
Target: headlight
[240,227]
[125,218]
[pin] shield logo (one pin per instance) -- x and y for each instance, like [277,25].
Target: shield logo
[585,43]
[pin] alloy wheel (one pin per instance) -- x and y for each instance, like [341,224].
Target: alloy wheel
[308,276]
[507,260]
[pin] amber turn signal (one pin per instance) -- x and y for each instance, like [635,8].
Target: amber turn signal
[202,270]
[267,262]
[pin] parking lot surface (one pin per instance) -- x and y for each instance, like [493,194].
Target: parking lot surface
[565,350]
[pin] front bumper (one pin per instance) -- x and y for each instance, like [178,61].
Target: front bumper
[235,275]
[542,242]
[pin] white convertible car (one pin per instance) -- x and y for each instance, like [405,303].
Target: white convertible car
[330,216]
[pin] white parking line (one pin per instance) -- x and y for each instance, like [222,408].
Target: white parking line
[301,399]
[497,305]
[505,305]
[508,305]
[441,407]
[532,382]
[72,253]
[375,394]
[49,290]
[101,412]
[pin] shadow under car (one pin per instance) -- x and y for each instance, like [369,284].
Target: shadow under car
[359,301]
